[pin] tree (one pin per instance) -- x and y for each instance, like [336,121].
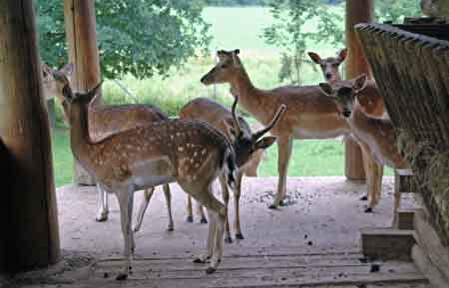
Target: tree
[396,10]
[290,34]
[141,37]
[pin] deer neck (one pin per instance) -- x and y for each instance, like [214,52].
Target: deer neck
[249,96]
[360,123]
[79,129]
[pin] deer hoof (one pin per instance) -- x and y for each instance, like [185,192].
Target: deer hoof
[239,236]
[210,270]
[364,198]
[189,219]
[203,221]
[101,217]
[170,228]
[282,203]
[228,239]
[273,207]
[121,277]
[199,261]
[369,210]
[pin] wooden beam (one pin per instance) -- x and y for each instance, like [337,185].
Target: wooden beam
[387,243]
[356,11]
[31,233]
[80,25]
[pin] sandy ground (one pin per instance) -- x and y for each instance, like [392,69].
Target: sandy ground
[323,213]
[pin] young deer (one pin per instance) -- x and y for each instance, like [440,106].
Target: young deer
[373,105]
[247,145]
[310,114]
[189,152]
[107,120]
[376,136]
[373,102]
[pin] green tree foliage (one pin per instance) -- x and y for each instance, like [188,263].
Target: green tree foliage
[237,2]
[290,34]
[396,10]
[141,37]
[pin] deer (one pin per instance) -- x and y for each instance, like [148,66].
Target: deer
[192,153]
[107,120]
[375,135]
[247,145]
[373,105]
[310,114]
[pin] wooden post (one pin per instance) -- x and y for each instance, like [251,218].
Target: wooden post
[80,25]
[30,231]
[356,11]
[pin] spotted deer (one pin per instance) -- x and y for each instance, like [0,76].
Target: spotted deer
[106,120]
[310,114]
[246,145]
[376,136]
[373,105]
[156,154]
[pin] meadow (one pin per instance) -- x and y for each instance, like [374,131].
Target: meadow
[236,27]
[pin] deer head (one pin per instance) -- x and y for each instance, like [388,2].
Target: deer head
[345,93]
[330,65]
[246,143]
[53,81]
[77,99]
[228,64]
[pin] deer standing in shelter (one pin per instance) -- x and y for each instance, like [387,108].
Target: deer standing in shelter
[310,114]
[375,135]
[373,105]
[104,121]
[191,153]
[246,144]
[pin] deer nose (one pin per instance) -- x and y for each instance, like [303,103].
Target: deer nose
[203,79]
[328,75]
[346,113]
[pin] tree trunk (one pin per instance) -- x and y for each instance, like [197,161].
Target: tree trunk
[80,25]
[30,235]
[357,11]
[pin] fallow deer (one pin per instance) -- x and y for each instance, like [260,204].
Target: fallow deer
[373,105]
[373,102]
[191,153]
[310,114]
[376,136]
[104,121]
[245,144]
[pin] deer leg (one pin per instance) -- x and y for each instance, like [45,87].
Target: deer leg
[167,195]
[284,154]
[378,181]
[210,240]
[220,219]
[203,219]
[125,198]
[147,194]
[370,171]
[102,204]
[238,189]
[225,192]
[189,209]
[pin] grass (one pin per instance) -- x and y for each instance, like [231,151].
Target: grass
[232,28]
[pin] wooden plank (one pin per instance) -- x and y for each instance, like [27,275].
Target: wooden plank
[80,25]
[403,181]
[31,233]
[356,11]
[437,255]
[404,219]
[387,244]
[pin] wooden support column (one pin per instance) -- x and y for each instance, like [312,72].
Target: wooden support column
[80,25]
[357,11]
[29,225]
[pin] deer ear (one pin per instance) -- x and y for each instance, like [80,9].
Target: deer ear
[264,143]
[360,82]
[68,69]
[237,51]
[342,55]
[315,57]
[326,88]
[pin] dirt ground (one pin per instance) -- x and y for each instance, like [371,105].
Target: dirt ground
[322,214]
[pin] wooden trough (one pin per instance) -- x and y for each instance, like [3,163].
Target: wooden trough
[412,73]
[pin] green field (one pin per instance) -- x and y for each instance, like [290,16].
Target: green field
[232,28]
